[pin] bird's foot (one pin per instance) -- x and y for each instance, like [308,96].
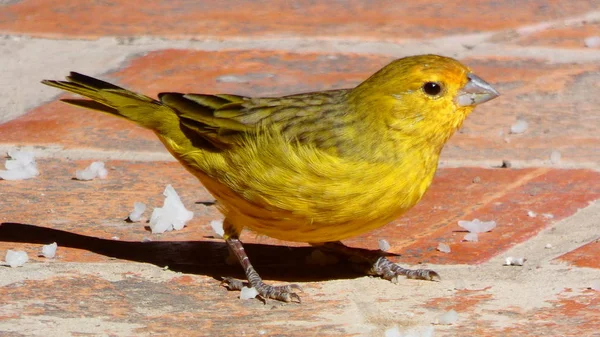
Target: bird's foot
[391,271]
[281,293]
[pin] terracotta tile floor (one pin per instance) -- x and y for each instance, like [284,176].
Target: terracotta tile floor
[109,280]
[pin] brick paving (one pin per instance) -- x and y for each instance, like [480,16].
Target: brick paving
[107,281]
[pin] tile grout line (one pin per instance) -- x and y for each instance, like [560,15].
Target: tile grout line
[447,45]
[58,152]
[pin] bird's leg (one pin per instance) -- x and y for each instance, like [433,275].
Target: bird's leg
[281,293]
[378,264]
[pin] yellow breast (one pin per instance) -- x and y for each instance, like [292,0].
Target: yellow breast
[296,192]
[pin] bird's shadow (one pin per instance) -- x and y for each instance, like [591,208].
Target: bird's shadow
[279,263]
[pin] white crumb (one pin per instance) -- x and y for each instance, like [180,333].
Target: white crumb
[172,216]
[531,214]
[447,318]
[592,41]
[514,261]
[477,226]
[217,227]
[96,169]
[20,166]
[138,209]
[384,245]
[548,215]
[248,293]
[555,157]
[444,248]
[548,246]
[471,237]
[392,332]
[16,258]
[519,126]
[49,251]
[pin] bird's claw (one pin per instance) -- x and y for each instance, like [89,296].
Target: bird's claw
[391,271]
[423,274]
[281,293]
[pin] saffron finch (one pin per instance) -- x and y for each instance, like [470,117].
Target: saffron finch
[317,167]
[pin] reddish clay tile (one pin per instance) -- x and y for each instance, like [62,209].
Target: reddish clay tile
[355,19]
[584,256]
[247,72]
[563,37]
[256,73]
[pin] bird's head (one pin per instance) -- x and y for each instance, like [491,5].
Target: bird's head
[425,96]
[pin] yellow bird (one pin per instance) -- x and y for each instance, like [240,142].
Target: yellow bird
[316,167]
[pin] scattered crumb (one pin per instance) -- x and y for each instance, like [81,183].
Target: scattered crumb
[444,248]
[248,293]
[138,209]
[384,245]
[49,251]
[20,166]
[514,261]
[547,215]
[217,227]
[519,126]
[531,214]
[555,157]
[592,42]
[172,216]
[447,318]
[476,180]
[392,332]
[471,237]
[115,238]
[146,239]
[16,258]
[477,226]
[96,169]
[548,246]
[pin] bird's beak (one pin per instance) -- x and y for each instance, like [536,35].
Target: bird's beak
[476,91]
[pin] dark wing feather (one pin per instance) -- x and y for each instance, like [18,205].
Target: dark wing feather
[223,120]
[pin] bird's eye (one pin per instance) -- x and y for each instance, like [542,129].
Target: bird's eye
[432,88]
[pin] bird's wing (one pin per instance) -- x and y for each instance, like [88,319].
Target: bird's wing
[225,120]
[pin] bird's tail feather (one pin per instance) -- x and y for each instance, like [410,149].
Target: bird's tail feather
[114,100]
